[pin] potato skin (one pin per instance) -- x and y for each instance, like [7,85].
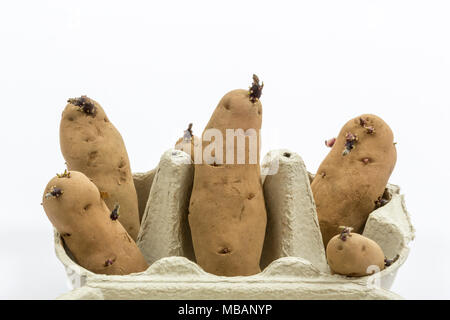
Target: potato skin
[83,220]
[354,256]
[92,145]
[227,213]
[346,187]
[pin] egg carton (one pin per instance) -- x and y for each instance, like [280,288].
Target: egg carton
[293,260]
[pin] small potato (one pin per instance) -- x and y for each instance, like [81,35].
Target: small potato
[92,145]
[90,230]
[354,255]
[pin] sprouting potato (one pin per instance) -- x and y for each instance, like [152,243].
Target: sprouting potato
[91,144]
[91,231]
[350,182]
[227,213]
[354,255]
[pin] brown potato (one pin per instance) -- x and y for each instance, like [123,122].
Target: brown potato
[90,230]
[353,255]
[227,213]
[354,175]
[91,144]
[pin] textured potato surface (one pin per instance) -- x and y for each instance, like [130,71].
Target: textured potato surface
[94,236]
[91,144]
[354,255]
[354,175]
[227,213]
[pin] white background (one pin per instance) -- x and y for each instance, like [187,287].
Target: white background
[155,67]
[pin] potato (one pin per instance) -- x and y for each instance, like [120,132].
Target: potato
[90,230]
[353,255]
[354,175]
[227,213]
[91,144]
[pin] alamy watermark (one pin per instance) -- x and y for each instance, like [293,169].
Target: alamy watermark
[237,147]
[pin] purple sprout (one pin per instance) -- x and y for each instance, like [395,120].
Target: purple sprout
[115,213]
[54,193]
[255,91]
[370,130]
[389,262]
[108,262]
[345,233]
[330,142]
[380,202]
[188,134]
[85,105]
[350,141]
[362,122]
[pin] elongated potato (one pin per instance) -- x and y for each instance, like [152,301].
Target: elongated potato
[227,214]
[354,255]
[90,230]
[354,175]
[91,144]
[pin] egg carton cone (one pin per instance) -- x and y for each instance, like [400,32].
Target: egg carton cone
[293,260]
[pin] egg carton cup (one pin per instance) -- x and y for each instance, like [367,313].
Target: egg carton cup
[293,260]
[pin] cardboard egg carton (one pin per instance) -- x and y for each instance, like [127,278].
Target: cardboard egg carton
[293,258]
